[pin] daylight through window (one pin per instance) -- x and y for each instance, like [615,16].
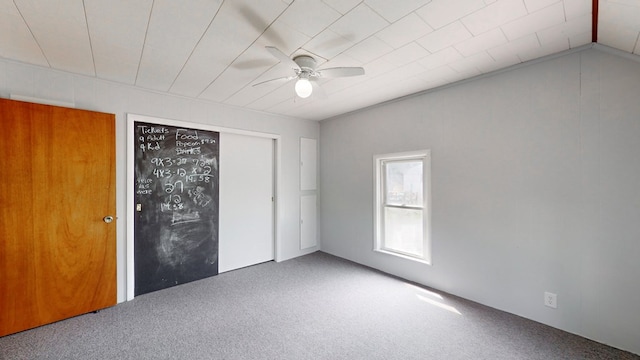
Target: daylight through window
[402,204]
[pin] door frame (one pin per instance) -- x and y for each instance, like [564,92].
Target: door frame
[131,118]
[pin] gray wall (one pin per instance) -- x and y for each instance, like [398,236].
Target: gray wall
[93,94]
[535,187]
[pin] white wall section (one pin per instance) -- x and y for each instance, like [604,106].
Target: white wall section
[535,177]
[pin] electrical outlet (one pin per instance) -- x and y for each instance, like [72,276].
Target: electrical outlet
[551,300]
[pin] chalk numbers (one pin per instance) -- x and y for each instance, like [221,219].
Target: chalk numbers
[182,174]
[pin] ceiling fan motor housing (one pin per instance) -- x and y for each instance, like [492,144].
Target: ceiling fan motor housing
[306,63]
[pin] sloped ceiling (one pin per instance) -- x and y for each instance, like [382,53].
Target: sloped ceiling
[214,50]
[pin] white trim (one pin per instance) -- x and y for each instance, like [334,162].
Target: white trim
[378,160]
[131,118]
[129,212]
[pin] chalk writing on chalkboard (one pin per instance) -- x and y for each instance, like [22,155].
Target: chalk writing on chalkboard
[176,223]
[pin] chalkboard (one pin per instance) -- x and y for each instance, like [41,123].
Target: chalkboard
[176,205]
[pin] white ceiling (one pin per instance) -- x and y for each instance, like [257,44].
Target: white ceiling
[215,50]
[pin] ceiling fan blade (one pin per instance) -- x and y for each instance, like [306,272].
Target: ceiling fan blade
[280,79]
[282,57]
[341,72]
[318,91]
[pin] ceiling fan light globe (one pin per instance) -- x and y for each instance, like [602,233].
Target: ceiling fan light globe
[303,88]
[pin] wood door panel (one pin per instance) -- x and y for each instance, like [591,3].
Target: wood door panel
[15,191]
[57,255]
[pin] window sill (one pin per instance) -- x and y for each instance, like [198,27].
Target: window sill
[402,256]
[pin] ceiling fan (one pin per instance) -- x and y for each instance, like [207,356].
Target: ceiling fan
[305,70]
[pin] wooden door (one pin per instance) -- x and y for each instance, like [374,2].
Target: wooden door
[57,183]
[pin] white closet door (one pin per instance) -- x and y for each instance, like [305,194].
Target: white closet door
[308,221]
[246,201]
[308,163]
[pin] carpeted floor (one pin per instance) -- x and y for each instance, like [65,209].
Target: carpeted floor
[313,307]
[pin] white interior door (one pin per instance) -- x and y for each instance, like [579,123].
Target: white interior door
[246,212]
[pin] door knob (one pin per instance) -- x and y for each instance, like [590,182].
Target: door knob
[108,219]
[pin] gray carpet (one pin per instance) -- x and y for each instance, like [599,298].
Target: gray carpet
[313,307]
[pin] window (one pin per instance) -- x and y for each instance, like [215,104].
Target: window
[402,205]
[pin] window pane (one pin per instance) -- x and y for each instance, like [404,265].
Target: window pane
[404,183]
[403,231]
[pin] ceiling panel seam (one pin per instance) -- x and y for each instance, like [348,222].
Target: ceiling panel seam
[196,46]
[144,41]
[242,53]
[86,22]
[32,34]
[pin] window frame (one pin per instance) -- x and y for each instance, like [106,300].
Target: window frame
[379,162]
